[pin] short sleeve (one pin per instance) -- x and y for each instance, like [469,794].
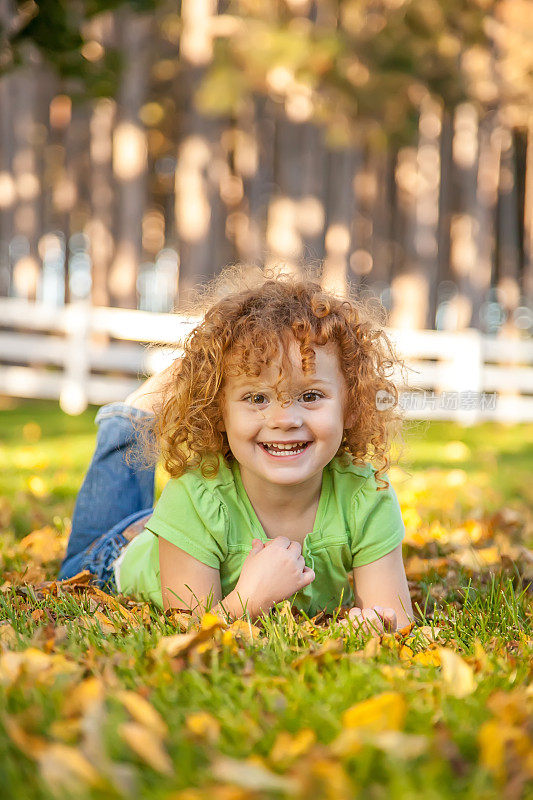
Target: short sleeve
[378,526]
[193,518]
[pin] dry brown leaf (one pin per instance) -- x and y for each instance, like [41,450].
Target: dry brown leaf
[148,747]
[382,712]
[181,643]
[331,647]
[113,604]
[457,674]
[142,711]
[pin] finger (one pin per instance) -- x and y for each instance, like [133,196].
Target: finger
[281,541]
[300,561]
[388,617]
[308,576]
[257,544]
[372,621]
[295,547]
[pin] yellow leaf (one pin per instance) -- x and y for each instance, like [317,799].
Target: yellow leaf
[211,622]
[83,696]
[148,747]
[457,674]
[66,768]
[8,635]
[405,652]
[34,664]
[382,712]
[398,744]
[37,486]
[287,748]
[251,776]
[142,711]
[245,629]
[428,657]
[181,643]
[44,545]
[30,745]
[495,738]
[203,725]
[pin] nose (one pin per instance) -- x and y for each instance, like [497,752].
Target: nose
[284,416]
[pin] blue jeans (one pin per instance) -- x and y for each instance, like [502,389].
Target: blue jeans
[115,493]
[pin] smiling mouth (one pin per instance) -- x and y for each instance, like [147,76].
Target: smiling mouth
[286,450]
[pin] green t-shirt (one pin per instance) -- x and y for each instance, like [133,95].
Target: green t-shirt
[213,520]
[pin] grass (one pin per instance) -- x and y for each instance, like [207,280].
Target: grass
[85,696]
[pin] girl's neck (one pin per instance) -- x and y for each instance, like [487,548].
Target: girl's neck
[295,500]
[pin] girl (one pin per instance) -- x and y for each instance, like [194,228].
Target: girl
[265,426]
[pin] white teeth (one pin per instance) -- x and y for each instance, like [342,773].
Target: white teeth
[297,447]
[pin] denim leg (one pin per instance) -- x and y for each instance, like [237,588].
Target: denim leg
[113,490]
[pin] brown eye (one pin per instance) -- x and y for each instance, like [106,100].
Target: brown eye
[257,399]
[312,395]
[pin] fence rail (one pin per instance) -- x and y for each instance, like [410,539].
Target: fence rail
[81,354]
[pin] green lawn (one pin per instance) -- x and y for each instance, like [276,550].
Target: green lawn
[100,705]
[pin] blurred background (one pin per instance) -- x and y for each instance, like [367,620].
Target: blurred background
[145,145]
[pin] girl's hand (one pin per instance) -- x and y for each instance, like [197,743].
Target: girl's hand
[375,620]
[272,572]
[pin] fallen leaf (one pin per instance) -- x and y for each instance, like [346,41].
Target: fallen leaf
[384,711]
[288,747]
[246,630]
[457,674]
[65,769]
[113,604]
[331,647]
[417,568]
[142,711]
[29,744]
[148,747]
[35,665]
[8,635]
[181,643]
[251,776]
[83,696]
[44,545]
[203,725]
[427,657]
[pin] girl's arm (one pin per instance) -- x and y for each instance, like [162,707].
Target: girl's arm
[269,574]
[187,583]
[382,585]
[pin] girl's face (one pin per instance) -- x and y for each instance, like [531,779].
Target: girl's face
[289,444]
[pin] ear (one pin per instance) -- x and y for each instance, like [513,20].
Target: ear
[349,421]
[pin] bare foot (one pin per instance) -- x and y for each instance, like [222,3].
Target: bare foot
[147,394]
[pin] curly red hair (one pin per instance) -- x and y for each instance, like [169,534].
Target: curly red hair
[250,314]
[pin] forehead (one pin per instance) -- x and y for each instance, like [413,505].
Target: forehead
[327,367]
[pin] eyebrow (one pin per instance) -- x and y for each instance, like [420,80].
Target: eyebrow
[255,381]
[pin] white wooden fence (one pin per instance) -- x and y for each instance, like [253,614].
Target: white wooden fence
[81,354]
